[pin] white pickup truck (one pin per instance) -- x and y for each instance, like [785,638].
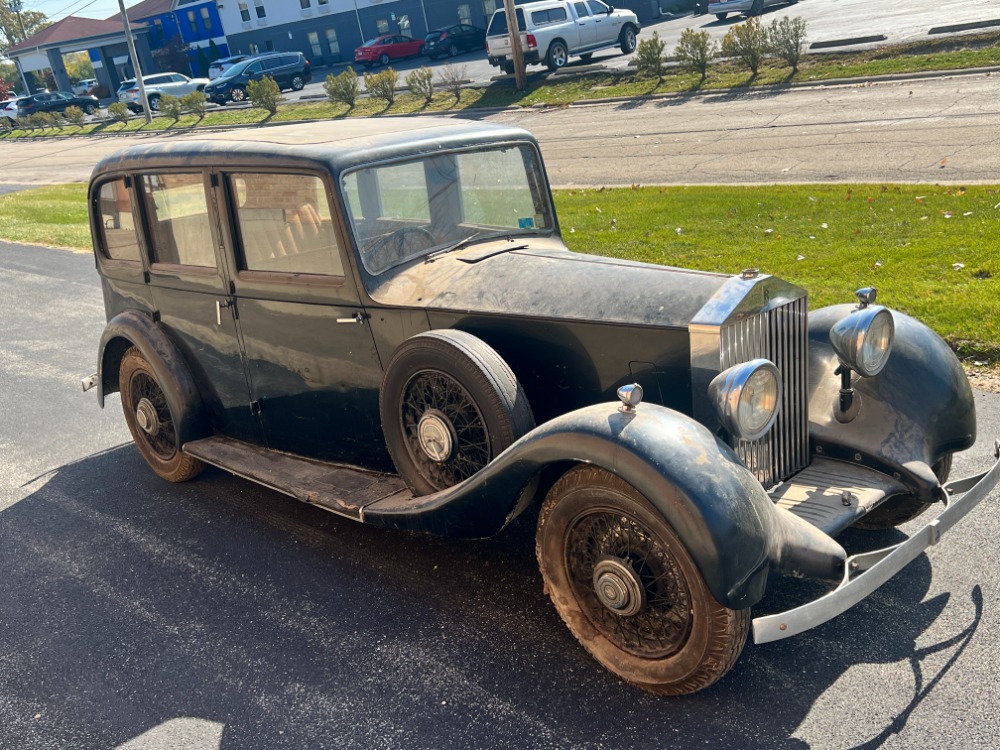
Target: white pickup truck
[553,30]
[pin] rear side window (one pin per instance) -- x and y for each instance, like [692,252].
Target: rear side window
[285,224]
[551,15]
[180,229]
[119,239]
[498,24]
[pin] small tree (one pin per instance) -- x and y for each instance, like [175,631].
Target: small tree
[119,112]
[452,78]
[264,94]
[194,103]
[649,58]
[695,51]
[342,89]
[382,85]
[171,107]
[786,39]
[5,88]
[747,44]
[75,116]
[421,83]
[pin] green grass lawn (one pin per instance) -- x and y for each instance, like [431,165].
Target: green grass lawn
[930,250]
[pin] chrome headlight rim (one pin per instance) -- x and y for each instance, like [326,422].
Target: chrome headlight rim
[854,336]
[730,387]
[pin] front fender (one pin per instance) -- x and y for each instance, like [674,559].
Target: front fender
[134,328]
[720,511]
[913,413]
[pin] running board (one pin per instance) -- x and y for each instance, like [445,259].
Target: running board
[831,495]
[344,490]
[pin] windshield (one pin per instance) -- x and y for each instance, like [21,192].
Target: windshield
[410,209]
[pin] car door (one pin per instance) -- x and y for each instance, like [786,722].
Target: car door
[608,26]
[585,23]
[311,357]
[190,294]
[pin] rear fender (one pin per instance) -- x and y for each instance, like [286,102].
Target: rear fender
[722,514]
[132,328]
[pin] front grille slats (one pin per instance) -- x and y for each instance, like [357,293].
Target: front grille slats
[780,335]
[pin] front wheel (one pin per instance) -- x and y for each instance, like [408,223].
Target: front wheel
[151,421]
[297,83]
[557,56]
[452,50]
[238,95]
[626,40]
[89,109]
[627,588]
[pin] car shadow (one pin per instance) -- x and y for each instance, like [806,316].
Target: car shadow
[128,603]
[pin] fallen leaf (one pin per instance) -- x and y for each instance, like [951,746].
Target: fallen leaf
[801,257]
[598,210]
[824,225]
[957,266]
[679,230]
[878,264]
[967,213]
[768,231]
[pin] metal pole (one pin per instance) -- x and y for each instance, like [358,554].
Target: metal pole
[15,5]
[135,63]
[516,53]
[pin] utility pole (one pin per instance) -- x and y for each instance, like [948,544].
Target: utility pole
[15,5]
[516,52]
[135,63]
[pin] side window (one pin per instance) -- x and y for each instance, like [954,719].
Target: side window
[119,239]
[254,67]
[285,224]
[180,229]
[581,10]
[597,8]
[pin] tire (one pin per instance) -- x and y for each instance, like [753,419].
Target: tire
[721,16]
[452,50]
[238,94]
[757,8]
[297,83]
[449,405]
[627,40]
[587,56]
[383,59]
[154,103]
[557,56]
[151,421]
[507,68]
[89,109]
[902,508]
[657,625]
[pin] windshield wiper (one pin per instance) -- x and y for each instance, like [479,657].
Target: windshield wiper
[464,242]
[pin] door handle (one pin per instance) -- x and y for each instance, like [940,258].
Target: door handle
[218,310]
[356,318]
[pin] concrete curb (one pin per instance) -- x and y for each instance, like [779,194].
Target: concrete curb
[964,27]
[848,42]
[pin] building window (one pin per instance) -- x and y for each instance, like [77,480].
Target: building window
[268,45]
[206,19]
[261,11]
[157,32]
[331,41]
[489,7]
[382,25]
[321,3]
[244,12]
[317,51]
[464,14]
[305,4]
[193,22]
[404,25]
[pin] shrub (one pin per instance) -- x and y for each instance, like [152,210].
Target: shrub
[75,116]
[649,57]
[382,85]
[695,50]
[264,94]
[452,78]
[342,89]
[194,103]
[747,44]
[41,120]
[119,112]
[171,107]
[421,83]
[786,39]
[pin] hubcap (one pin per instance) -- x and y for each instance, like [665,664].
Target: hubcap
[435,435]
[145,416]
[618,588]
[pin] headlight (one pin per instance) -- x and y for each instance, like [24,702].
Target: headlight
[863,340]
[747,398]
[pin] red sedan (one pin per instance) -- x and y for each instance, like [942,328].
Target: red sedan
[388,47]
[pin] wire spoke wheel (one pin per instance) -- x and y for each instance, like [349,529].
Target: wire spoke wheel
[153,415]
[444,429]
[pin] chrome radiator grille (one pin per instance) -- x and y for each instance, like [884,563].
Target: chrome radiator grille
[780,335]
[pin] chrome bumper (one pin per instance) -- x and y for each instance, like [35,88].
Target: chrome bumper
[865,572]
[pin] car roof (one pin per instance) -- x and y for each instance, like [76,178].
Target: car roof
[328,146]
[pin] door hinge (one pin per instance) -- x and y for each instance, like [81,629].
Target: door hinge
[255,407]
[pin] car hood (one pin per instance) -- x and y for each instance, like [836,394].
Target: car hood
[547,280]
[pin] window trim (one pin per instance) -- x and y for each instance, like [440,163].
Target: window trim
[147,224]
[104,258]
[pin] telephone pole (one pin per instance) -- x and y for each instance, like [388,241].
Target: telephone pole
[135,63]
[516,51]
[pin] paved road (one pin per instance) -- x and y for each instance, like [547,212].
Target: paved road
[218,614]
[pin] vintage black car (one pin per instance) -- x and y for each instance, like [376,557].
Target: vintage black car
[380,317]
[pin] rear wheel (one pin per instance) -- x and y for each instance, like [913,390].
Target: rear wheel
[151,421]
[557,56]
[902,508]
[757,8]
[721,16]
[297,83]
[507,68]
[154,103]
[627,588]
[452,50]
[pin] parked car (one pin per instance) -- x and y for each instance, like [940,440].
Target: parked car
[552,31]
[723,8]
[84,87]
[8,109]
[383,49]
[290,70]
[157,85]
[220,66]
[56,101]
[453,40]
[380,317]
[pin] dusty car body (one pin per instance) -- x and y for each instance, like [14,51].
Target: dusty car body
[380,317]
